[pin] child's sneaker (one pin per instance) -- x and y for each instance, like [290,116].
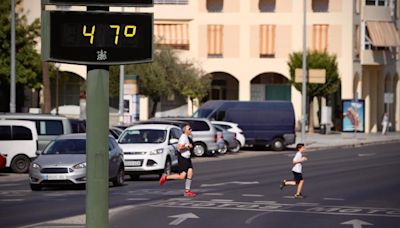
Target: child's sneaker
[189,194]
[283,184]
[163,179]
[298,196]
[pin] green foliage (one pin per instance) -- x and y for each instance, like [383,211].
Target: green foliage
[316,60]
[164,76]
[28,64]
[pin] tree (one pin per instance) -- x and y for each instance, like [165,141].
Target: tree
[315,60]
[167,75]
[28,65]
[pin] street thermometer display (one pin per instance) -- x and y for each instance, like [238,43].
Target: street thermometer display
[102,38]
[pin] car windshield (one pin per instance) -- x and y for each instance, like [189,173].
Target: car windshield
[66,146]
[143,136]
[202,113]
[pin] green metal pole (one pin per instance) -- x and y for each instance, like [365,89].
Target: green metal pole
[97,110]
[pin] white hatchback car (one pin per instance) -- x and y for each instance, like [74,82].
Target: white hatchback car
[149,149]
[232,127]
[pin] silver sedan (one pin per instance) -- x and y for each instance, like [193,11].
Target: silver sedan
[64,162]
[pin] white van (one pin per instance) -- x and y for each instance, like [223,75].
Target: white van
[48,126]
[19,142]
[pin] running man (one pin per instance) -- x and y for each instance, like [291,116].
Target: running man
[297,171]
[184,162]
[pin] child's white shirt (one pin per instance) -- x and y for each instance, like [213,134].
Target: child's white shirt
[298,167]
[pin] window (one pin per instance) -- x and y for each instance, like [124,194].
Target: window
[215,6]
[214,38]
[199,126]
[175,133]
[5,133]
[357,42]
[78,126]
[376,2]
[21,133]
[267,41]
[172,35]
[266,5]
[49,127]
[320,5]
[320,37]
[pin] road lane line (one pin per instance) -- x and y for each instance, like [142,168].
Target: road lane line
[250,220]
[12,200]
[221,200]
[309,208]
[213,194]
[252,195]
[137,199]
[334,199]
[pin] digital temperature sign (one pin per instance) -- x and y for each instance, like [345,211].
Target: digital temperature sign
[98,38]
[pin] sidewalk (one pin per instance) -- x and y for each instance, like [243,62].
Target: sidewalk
[318,141]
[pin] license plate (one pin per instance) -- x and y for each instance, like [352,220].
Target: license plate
[55,177]
[133,163]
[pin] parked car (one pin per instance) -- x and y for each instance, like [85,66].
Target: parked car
[48,126]
[3,161]
[264,123]
[149,149]
[63,162]
[19,143]
[232,127]
[229,140]
[204,135]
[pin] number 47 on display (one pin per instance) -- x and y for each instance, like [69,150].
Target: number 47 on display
[129,31]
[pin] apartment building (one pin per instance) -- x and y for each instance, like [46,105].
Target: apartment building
[244,45]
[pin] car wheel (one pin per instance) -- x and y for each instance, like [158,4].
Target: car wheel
[120,178]
[237,148]
[167,167]
[36,187]
[199,149]
[224,148]
[277,144]
[20,164]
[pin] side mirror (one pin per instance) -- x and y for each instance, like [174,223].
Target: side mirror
[38,152]
[173,141]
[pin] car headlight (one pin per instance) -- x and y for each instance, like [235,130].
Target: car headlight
[156,152]
[35,166]
[80,165]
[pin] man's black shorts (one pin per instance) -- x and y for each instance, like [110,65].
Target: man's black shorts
[184,164]
[297,176]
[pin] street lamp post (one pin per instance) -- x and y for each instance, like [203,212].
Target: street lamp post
[12,82]
[57,65]
[304,85]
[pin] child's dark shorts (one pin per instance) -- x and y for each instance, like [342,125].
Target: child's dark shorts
[297,177]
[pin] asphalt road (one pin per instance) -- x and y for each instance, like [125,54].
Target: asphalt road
[356,187]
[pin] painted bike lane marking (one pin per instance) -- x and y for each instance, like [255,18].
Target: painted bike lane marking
[282,208]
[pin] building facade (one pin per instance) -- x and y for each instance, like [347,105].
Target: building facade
[245,44]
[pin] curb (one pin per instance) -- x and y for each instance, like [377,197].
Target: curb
[353,145]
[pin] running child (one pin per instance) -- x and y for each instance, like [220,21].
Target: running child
[297,172]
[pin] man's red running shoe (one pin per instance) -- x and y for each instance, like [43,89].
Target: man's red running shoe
[163,179]
[189,194]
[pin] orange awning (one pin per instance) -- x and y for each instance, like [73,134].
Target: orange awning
[383,34]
